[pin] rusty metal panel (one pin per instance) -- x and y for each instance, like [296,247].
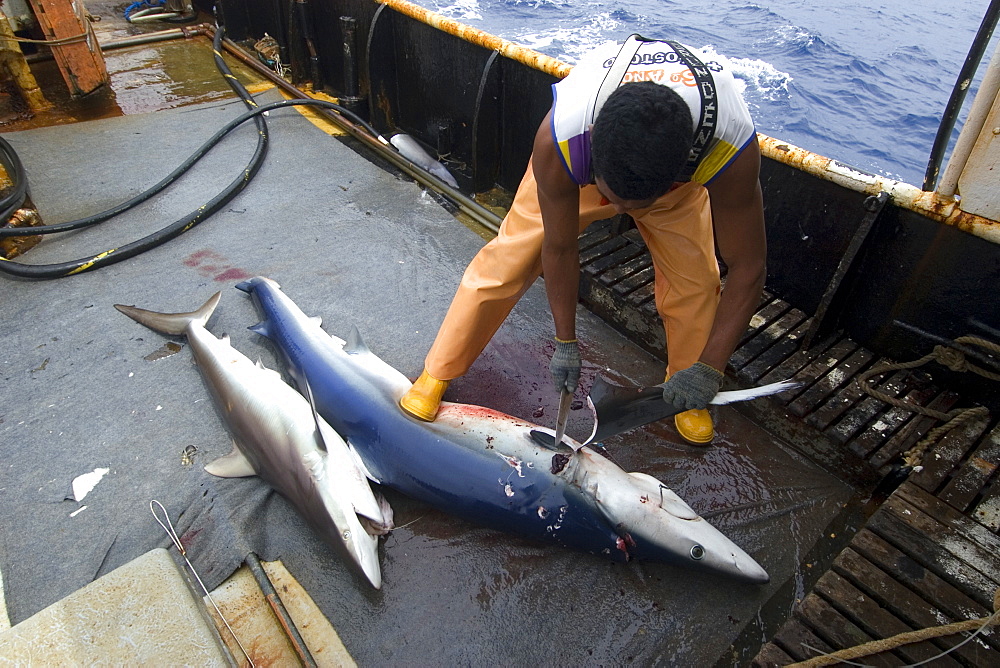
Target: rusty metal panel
[79,58]
[981,176]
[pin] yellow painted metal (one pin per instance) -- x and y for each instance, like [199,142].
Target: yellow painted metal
[12,60]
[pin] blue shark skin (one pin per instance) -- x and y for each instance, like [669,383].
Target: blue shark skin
[482,464]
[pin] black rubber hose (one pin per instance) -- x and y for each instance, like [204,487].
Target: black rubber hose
[7,150]
[44,271]
[61,269]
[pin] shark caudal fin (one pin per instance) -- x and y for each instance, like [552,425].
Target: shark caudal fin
[172,323]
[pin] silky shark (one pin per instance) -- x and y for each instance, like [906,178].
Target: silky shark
[484,465]
[278,436]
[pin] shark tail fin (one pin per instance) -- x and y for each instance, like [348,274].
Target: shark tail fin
[172,323]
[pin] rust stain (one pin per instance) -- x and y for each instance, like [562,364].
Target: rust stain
[930,204]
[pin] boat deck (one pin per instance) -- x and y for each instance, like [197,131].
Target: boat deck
[919,556]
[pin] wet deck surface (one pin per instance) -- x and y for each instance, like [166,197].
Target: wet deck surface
[358,245]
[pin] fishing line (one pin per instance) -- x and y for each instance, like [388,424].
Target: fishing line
[169,528]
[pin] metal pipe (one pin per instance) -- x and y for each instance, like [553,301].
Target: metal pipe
[480,214]
[351,98]
[139,40]
[974,123]
[273,600]
[958,93]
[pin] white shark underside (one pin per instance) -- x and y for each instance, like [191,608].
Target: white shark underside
[483,465]
[277,437]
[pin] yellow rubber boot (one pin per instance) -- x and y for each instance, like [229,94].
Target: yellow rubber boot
[424,397]
[695,426]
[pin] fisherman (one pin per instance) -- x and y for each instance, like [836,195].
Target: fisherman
[656,130]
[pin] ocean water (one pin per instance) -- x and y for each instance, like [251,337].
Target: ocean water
[864,82]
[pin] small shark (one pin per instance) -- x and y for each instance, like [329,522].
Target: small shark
[484,465]
[278,436]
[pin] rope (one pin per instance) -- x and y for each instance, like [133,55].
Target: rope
[888,644]
[954,359]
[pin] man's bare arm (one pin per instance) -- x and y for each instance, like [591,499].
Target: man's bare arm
[559,201]
[738,219]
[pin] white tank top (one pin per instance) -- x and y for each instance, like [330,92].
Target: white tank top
[576,105]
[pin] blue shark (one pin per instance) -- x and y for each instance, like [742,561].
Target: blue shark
[483,465]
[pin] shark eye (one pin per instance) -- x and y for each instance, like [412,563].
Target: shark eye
[697,552]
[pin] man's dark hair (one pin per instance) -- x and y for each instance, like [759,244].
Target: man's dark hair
[641,140]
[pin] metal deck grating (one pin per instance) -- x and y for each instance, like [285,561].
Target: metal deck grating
[930,554]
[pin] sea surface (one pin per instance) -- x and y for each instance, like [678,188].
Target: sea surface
[863,82]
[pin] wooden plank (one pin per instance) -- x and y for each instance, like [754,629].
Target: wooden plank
[851,397]
[944,457]
[936,547]
[987,510]
[601,249]
[628,285]
[913,431]
[959,524]
[879,432]
[766,337]
[838,371]
[776,356]
[799,642]
[596,233]
[869,616]
[81,62]
[798,360]
[941,595]
[975,473]
[836,630]
[764,317]
[599,266]
[769,656]
[899,600]
[626,269]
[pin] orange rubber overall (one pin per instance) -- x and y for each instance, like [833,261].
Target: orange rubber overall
[677,229]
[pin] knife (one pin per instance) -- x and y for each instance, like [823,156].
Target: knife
[565,399]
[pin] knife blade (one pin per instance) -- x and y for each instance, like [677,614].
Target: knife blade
[565,399]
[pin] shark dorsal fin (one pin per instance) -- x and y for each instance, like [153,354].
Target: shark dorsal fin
[355,344]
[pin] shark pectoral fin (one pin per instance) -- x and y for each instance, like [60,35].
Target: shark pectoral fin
[233,465]
[361,464]
[261,328]
[381,525]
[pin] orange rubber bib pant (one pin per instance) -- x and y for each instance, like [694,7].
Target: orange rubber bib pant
[677,229]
